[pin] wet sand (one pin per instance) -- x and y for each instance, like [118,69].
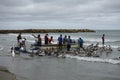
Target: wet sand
[6,75]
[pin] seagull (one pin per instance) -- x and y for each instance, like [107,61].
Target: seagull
[13,51]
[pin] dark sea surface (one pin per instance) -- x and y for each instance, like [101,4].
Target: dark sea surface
[70,68]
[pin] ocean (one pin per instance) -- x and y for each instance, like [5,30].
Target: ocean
[70,68]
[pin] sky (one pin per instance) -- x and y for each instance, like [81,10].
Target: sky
[60,14]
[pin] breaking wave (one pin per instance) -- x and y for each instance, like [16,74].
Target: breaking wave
[93,59]
[99,40]
[12,34]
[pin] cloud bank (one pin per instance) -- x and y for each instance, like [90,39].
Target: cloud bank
[92,14]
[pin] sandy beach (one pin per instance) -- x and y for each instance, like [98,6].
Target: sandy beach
[6,75]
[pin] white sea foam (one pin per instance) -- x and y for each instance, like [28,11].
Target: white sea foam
[23,35]
[114,46]
[92,59]
[99,40]
[31,41]
[11,34]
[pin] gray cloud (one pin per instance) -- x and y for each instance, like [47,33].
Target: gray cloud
[15,3]
[65,13]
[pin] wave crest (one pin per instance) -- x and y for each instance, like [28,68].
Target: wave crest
[92,59]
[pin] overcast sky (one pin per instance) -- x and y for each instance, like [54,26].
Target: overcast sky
[90,14]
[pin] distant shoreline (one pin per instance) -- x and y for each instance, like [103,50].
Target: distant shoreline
[46,31]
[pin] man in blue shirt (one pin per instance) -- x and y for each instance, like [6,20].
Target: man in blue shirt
[80,42]
[60,41]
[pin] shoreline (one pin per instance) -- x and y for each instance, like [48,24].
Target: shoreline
[46,31]
[5,74]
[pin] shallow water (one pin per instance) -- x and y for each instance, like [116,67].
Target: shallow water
[50,68]
[70,68]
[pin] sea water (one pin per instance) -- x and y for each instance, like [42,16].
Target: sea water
[70,68]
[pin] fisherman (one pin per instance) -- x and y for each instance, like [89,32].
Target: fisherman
[60,41]
[80,42]
[19,39]
[103,40]
[46,39]
[65,39]
[69,41]
[39,40]
[51,40]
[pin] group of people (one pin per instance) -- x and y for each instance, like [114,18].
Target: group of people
[61,41]
[21,41]
[66,41]
[47,40]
